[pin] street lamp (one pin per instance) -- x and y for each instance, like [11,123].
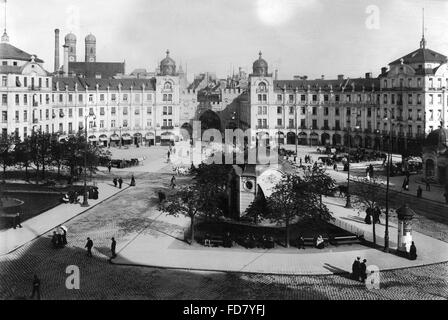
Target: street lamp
[388,168]
[348,202]
[85,203]
[121,139]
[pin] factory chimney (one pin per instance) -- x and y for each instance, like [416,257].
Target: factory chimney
[56,51]
[65,60]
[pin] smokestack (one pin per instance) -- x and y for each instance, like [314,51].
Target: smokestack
[340,77]
[56,51]
[65,60]
[369,75]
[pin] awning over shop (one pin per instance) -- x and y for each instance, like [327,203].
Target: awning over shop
[149,136]
[93,138]
[103,138]
[167,136]
[115,137]
[61,138]
[126,137]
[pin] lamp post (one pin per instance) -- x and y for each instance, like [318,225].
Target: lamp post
[388,168]
[85,202]
[348,202]
[121,139]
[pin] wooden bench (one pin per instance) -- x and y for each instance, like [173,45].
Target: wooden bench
[311,242]
[338,240]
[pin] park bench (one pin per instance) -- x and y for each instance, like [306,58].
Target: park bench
[214,241]
[311,242]
[351,239]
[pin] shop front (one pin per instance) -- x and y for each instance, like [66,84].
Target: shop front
[167,139]
[115,140]
[138,139]
[93,140]
[126,139]
[103,140]
[149,139]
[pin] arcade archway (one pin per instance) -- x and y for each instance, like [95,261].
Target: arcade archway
[210,120]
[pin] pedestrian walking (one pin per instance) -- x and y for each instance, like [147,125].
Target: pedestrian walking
[377,211]
[17,220]
[64,236]
[173,182]
[36,287]
[113,246]
[54,240]
[404,186]
[419,192]
[300,243]
[356,267]
[132,181]
[89,246]
[300,161]
[335,166]
[428,186]
[362,270]
[120,182]
[162,197]
[115,181]
[413,252]
[168,156]
[109,167]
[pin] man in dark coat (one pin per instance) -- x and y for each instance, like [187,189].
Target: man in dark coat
[89,246]
[413,252]
[17,220]
[356,267]
[132,181]
[115,181]
[162,197]
[363,270]
[120,182]
[36,287]
[113,246]
[300,243]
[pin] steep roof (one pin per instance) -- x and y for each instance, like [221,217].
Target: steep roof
[107,70]
[8,51]
[103,84]
[421,55]
[337,85]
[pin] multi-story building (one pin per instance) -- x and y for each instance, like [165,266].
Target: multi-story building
[405,102]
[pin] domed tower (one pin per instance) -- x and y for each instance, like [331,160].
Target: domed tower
[90,48]
[70,42]
[167,66]
[260,67]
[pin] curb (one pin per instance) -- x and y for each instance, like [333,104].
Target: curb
[75,216]
[262,273]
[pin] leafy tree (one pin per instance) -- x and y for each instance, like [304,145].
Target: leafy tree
[369,196]
[7,146]
[258,208]
[293,199]
[57,153]
[211,181]
[22,155]
[188,202]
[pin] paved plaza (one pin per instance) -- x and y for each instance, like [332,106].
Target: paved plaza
[145,235]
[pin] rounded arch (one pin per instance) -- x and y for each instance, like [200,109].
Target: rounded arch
[280,137]
[210,120]
[314,139]
[357,141]
[325,139]
[186,131]
[337,139]
[303,138]
[291,138]
[368,142]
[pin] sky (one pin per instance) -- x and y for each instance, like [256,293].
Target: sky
[297,37]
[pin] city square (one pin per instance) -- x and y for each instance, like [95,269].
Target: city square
[153,185]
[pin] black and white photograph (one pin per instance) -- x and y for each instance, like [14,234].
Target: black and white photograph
[224,150]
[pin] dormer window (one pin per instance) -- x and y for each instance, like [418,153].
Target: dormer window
[167,86]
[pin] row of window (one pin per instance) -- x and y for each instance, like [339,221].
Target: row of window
[412,83]
[263,124]
[25,81]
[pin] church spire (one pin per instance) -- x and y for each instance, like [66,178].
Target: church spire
[5,37]
[423,41]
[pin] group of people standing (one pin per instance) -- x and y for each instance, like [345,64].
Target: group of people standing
[59,238]
[359,270]
[118,182]
[373,215]
[113,247]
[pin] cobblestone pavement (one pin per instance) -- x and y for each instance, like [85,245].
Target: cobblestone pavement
[127,215]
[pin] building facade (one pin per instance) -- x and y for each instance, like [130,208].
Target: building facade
[399,108]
